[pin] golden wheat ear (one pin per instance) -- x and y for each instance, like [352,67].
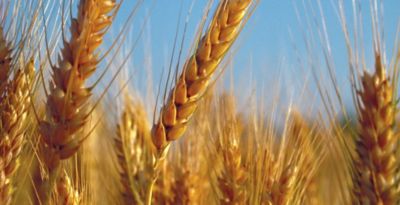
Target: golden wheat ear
[233,176]
[133,149]
[68,97]
[196,74]
[14,108]
[376,163]
[67,101]
[306,138]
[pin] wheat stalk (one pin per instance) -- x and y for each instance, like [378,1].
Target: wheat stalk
[376,179]
[163,187]
[14,110]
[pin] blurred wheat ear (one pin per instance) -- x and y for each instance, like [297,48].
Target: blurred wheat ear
[14,106]
[134,151]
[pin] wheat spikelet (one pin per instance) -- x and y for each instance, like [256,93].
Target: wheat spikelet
[14,110]
[376,179]
[133,152]
[67,101]
[197,72]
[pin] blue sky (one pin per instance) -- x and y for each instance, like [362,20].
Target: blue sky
[266,46]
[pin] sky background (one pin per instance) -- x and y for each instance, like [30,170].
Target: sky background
[270,46]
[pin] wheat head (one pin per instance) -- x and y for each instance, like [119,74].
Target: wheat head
[67,100]
[133,149]
[233,175]
[196,74]
[68,97]
[376,164]
[14,113]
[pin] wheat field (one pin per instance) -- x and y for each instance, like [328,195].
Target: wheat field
[81,122]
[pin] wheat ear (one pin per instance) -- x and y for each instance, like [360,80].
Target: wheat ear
[14,110]
[196,74]
[233,176]
[68,98]
[305,140]
[184,187]
[133,152]
[198,70]
[376,179]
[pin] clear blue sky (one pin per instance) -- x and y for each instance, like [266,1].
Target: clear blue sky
[266,45]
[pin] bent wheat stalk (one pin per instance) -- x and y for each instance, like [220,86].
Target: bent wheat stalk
[195,76]
[68,98]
